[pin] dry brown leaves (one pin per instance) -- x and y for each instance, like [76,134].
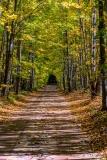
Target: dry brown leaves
[92,119]
[6,108]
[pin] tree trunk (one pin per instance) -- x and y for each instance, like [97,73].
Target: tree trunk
[19,52]
[93,81]
[32,74]
[102,55]
[9,50]
[86,54]
[67,60]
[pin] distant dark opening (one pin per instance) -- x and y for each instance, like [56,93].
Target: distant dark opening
[52,79]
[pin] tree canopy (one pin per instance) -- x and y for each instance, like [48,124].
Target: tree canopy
[66,38]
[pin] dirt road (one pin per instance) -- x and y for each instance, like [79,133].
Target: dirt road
[44,129]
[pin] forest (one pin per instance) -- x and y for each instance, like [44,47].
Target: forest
[64,38]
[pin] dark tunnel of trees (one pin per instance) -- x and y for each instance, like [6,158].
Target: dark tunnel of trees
[52,79]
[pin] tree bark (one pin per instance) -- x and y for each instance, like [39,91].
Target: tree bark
[93,80]
[32,73]
[9,50]
[102,54]
[19,52]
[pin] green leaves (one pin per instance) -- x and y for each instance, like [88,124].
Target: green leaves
[86,1]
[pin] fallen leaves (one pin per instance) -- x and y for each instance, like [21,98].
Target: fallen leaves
[94,121]
[83,111]
[7,108]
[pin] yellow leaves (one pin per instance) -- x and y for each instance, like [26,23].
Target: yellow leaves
[9,17]
[93,29]
[65,4]
[2,23]
[41,50]
[75,31]
[8,28]
[13,17]
[28,37]
[68,5]
[75,5]
[74,52]
[30,51]
[49,1]
[88,63]
[37,52]
[4,85]
[1,9]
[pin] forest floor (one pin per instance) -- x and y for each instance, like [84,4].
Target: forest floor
[80,126]
[93,120]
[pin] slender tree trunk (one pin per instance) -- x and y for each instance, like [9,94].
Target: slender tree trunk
[32,74]
[68,61]
[66,74]
[9,50]
[74,74]
[63,75]
[81,74]
[86,54]
[93,81]
[64,81]
[19,52]
[81,39]
[102,54]
[2,56]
